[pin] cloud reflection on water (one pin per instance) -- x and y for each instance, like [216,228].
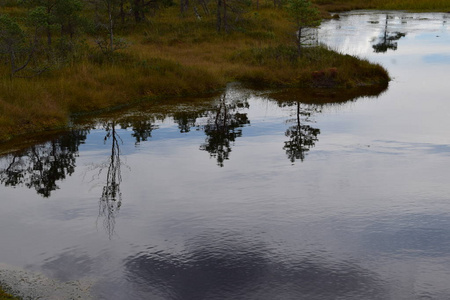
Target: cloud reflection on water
[226,267]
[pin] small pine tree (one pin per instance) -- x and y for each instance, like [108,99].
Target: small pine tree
[304,15]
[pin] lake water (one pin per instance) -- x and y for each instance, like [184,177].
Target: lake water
[250,194]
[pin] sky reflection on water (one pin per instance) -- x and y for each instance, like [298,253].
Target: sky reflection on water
[257,194]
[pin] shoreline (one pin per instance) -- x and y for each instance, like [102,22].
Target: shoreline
[31,137]
[22,284]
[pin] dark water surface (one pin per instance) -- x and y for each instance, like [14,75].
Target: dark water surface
[256,194]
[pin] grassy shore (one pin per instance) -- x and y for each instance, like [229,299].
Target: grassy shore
[5,296]
[174,56]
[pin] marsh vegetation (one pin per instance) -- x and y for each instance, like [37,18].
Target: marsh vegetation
[65,57]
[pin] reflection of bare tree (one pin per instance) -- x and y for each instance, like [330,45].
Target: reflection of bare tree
[302,137]
[42,166]
[222,128]
[111,198]
[387,40]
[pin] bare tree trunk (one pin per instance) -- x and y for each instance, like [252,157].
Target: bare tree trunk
[136,11]
[122,12]
[204,6]
[49,36]
[219,15]
[142,11]
[299,41]
[13,62]
[12,54]
[225,23]
[111,32]
[277,3]
[49,32]
[196,13]
[184,6]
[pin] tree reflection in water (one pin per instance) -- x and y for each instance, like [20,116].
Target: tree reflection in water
[111,198]
[222,128]
[302,137]
[142,127]
[388,40]
[42,166]
[187,119]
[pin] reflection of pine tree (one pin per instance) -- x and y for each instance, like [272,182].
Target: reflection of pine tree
[42,166]
[142,128]
[302,137]
[387,40]
[186,120]
[222,128]
[142,131]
